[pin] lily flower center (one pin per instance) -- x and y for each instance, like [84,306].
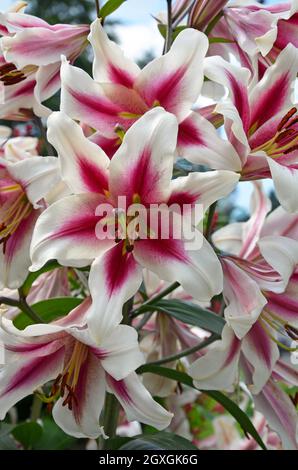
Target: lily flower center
[14,208]
[66,382]
[126,225]
[271,321]
[285,140]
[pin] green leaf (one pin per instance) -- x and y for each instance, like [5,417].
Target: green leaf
[27,434]
[49,310]
[53,438]
[219,40]
[163,30]
[6,441]
[50,266]
[109,7]
[225,401]
[117,442]
[190,313]
[159,441]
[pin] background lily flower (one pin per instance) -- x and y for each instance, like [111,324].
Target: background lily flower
[25,181]
[254,323]
[48,285]
[140,171]
[30,60]
[81,371]
[261,121]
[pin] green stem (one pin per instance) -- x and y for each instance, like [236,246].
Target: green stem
[10,302]
[163,293]
[43,135]
[144,320]
[97,6]
[23,306]
[211,213]
[169,36]
[213,23]
[112,406]
[185,352]
[27,309]
[111,416]
[35,408]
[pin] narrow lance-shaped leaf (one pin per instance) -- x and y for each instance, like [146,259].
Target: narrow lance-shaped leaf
[228,404]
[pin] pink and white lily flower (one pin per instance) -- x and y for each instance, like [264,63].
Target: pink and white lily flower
[25,181]
[255,34]
[31,58]
[218,369]
[260,275]
[81,371]
[261,121]
[121,93]
[139,173]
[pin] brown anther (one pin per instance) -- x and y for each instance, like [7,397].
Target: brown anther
[129,248]
[286,118]
[291,149]
[284,134]
[292,332]
[292,122]
[64,384]
[6,68]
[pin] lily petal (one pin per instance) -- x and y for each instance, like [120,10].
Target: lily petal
[243,297]
[198,271]
[143,164]
[175,79]
[84,166]
[110,63]
[285,180]
[22,377]
[218,368]
[138,403]
[83,419]
[114,278]
[66,231]
[199,142]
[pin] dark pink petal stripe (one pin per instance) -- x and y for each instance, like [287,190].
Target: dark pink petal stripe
[271,101]
[120,76]
[118,268]
[29,373]
[261,342]
[93,177]
[120,388]
[189,134]
[240,99]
